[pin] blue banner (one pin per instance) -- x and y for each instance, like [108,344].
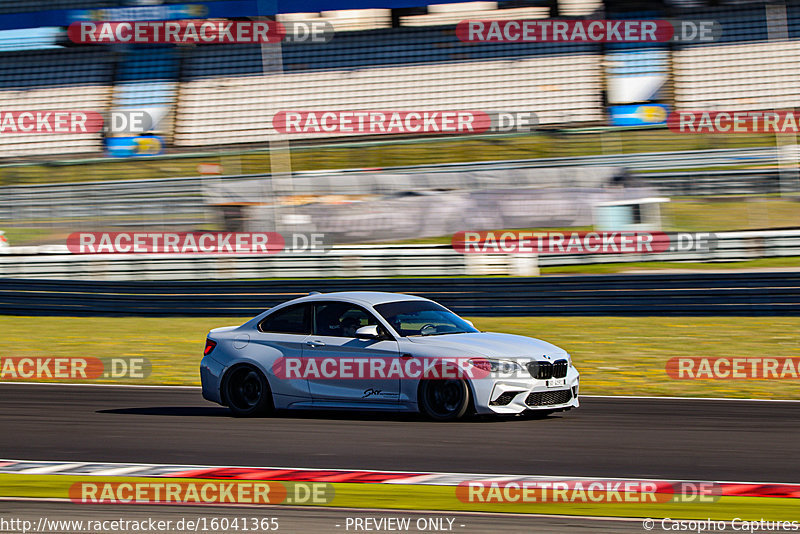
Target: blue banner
[639,115]
[134,147]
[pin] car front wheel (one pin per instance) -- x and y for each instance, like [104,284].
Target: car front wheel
[247,392]
[444,400]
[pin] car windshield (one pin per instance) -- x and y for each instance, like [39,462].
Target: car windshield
[422,318]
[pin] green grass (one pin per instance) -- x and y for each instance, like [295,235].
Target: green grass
[384,153]
[448,239]
[414,497]
[694,215]
[616,355]
[706,215]
[29,236]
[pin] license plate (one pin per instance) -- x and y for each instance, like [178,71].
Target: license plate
[555,382]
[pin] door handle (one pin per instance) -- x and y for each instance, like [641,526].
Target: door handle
[406,357]
[315,343]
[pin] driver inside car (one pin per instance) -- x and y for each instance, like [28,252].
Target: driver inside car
[349,325]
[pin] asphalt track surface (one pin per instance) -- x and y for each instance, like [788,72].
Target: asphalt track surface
[637,438]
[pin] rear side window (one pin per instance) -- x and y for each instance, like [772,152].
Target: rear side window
[290,320]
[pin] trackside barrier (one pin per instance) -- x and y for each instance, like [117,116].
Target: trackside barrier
[353,261]
[728,294]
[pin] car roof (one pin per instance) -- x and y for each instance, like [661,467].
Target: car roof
[363,297]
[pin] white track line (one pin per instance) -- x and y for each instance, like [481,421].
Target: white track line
[49,469]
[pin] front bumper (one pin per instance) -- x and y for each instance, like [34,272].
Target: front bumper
[517,395]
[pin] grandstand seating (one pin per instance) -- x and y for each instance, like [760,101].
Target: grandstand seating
[373,48]
[345,20]
[739,23]
[40,39]
[28,6]
[85,98]
[441,14]
[227,94]
[793,20]
[737,76]
[560,89]
[58,80]
[579,8]
[438,15]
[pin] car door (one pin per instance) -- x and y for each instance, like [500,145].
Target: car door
[333,344]
[282,335]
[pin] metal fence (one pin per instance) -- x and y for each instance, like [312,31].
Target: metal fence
[54,262]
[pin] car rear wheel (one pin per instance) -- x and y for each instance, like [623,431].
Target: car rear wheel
[247,392]
[444,400]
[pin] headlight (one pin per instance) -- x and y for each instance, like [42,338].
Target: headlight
[491,365]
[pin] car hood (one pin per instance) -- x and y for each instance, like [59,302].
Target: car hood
[491,345]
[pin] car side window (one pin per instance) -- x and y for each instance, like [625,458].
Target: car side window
[290,320]
[340,319]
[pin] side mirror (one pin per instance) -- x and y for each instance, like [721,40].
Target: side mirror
[368,332]
[469,323]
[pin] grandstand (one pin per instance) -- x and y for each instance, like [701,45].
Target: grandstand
[214,95]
